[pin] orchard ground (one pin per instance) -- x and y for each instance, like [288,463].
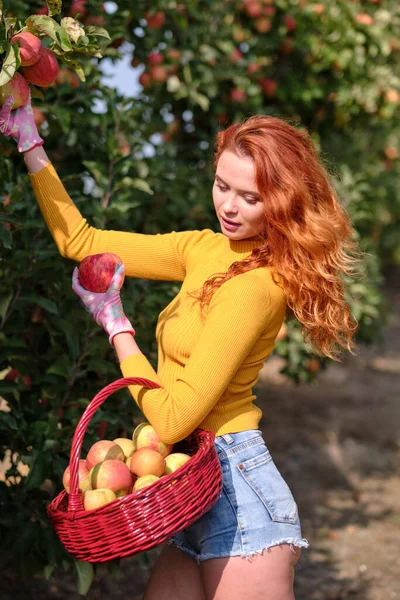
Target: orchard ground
[337,443]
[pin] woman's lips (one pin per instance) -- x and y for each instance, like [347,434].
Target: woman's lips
[229,225]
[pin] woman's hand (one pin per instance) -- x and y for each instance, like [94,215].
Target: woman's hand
[20,124]
[106,308]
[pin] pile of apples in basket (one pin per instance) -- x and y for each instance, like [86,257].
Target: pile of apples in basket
[115,468]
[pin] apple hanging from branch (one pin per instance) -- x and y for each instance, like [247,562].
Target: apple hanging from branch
[31,50]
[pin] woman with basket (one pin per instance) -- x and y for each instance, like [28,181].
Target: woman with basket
[285,243]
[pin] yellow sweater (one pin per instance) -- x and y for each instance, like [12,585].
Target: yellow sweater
[206,368]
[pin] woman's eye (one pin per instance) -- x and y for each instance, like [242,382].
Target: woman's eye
[251,200]
[223,189]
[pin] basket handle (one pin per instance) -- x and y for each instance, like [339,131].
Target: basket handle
[75,500]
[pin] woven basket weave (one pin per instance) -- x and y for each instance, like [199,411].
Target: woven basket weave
[147,517]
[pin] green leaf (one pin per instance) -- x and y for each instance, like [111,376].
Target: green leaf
[36,93]
[77,67]
[54,7]
[38,472]
[63,39]
[95,171]
[43,302]
[43,24]
[85,576]
[10,23]
[47,571]
[58,369]
[5,303]
[73,29]
[5,237]
[98,31]
[9,66]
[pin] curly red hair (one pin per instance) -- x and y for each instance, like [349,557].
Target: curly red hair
[308,239]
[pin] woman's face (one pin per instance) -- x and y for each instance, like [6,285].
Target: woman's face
[236,197]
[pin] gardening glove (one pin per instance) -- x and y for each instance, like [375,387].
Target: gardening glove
[20,124]
[106,307]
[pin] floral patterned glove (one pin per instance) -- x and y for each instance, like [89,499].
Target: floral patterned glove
[20,124]
[106,308]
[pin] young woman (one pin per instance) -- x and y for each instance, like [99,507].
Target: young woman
[285,243]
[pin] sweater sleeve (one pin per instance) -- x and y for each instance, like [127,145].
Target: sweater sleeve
[239,312]
[159,256]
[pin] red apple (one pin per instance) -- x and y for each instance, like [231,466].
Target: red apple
[253,9]
[44,72]
[18,88]
[145,436]
[39,118]
[97,20]
[145,79]
[392,95]
[364,19]
[155,20]
[263,24]
[69,77]
[155,58]
[113,475]
[29,47]
[96,498]
[238,95]
[253,67]
[78,6]
[174,53]
[236,56]
[147,461]
[43,11]
[103,450]
[268,86]
[290,23]
[83,477]
[158,73]
[97,270]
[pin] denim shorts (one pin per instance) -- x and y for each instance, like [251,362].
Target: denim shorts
[255,511]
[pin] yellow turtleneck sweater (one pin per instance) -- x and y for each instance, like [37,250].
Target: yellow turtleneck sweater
[206,368]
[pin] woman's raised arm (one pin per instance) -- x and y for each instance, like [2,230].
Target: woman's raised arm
[36,159]
[160,256]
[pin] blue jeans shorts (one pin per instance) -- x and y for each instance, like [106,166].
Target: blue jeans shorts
[255,511]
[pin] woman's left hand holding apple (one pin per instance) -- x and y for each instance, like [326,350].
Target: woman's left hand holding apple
[106,308]
[20,124]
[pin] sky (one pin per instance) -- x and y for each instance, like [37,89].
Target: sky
[121,76]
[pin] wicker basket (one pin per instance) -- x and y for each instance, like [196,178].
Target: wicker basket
[147,517]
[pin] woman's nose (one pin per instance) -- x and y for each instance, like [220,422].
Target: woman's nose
[230,204]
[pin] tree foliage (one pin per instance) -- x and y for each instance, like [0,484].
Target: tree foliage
[145,164]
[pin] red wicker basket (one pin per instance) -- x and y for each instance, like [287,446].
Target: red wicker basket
[147,517]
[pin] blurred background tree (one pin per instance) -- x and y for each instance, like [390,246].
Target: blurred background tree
[144,164]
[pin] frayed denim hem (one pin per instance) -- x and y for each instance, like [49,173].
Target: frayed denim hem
[303,543]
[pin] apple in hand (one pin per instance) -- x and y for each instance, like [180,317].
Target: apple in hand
[146,436]
[147,461]
[83,477]
[103,450]
[16,87]
[44,72]
[29,47]
[97,270]
[113,475]
[96,498]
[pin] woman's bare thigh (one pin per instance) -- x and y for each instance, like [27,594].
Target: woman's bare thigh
[267,576]
[175,576]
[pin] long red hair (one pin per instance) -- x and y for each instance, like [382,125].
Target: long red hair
[308,238]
